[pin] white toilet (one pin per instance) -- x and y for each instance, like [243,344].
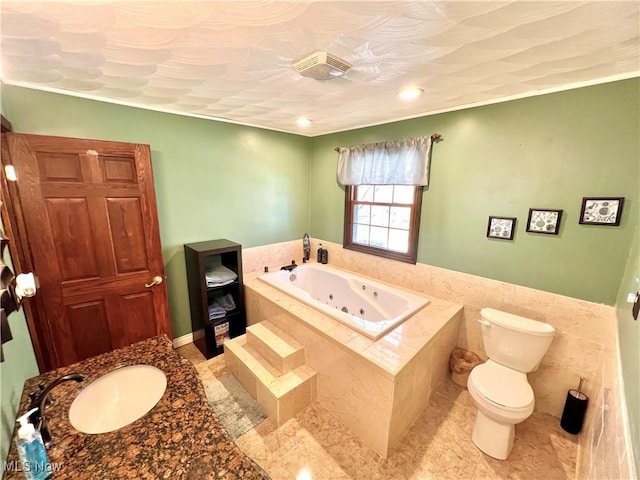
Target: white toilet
[499,387]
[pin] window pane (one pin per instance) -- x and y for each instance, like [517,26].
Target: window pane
[364,193]
[362,214]
[383,194]
[403,194]
[378,237]
[361,234]
[399,240]
[400,217]
[383,220]
[380,215]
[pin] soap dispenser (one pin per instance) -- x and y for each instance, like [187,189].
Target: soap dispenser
[323,255]
[33,455]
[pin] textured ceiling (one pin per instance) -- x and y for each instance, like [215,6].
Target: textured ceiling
[232,60]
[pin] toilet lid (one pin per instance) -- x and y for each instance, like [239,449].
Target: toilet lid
[501,385]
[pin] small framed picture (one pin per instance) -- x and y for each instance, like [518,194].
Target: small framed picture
[601,211]
[501,227]
[544,221]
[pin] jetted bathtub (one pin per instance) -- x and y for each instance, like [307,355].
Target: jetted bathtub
[364,305]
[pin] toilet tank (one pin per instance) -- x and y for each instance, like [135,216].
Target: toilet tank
[513,341]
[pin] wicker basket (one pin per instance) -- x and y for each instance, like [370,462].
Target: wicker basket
[461,363]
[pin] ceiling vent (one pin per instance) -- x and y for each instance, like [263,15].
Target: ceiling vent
[321,66]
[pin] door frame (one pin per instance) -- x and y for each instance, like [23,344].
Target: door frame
[21,257]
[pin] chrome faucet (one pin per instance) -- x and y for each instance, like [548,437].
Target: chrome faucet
[41,400]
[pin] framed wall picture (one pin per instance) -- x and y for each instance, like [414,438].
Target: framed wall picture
[601,211]
[501,227]
[544,221]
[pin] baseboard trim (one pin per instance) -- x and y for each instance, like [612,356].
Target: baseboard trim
[188,338]
[183,340]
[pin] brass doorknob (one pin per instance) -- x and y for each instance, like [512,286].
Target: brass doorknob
[157,280]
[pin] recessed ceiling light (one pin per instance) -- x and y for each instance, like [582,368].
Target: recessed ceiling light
[410,93]
[303,122]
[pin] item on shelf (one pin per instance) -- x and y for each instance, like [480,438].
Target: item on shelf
[220,276]
[221,332]
[227,302]
[216,311]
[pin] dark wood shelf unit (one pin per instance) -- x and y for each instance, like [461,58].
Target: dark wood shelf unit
[199,257]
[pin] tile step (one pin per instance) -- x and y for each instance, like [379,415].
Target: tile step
[278,385]
[282,351]
[281,395]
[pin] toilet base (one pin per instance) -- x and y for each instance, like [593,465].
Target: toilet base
[493,438]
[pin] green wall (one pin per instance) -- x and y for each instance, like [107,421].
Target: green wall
[543,152]
[213,179]
[19,364]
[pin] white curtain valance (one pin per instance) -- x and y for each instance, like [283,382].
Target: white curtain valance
[404,162]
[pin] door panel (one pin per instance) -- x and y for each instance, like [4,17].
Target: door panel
[118,169]
[59,167]
[127,235]
[88,322]
[135,308]
[71,229]
[91,236]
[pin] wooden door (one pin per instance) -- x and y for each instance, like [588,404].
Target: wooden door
[85,214]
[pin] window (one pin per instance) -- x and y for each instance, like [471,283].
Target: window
[383,220]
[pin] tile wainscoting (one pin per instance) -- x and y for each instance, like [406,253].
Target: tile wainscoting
[585,343]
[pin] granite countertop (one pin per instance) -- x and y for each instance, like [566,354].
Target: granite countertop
[180,438]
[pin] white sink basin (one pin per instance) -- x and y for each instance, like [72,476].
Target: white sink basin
[117,399]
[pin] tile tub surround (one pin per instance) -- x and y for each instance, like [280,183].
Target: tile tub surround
[180,437]
[376,388]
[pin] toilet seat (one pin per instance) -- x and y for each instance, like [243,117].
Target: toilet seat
[501,386]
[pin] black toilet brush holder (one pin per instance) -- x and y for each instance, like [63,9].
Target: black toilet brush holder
[575,408]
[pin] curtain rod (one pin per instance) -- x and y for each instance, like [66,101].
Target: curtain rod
[434,136]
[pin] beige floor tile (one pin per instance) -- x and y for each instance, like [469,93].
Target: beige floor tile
[191,353]
[315,445]
[217,366]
